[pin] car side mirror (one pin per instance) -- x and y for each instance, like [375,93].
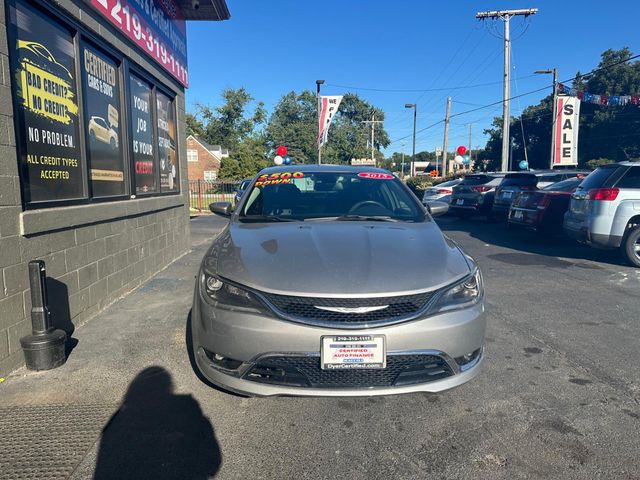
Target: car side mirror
[437,208]
[223,209]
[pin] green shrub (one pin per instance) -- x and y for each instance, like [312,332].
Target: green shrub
[419,184]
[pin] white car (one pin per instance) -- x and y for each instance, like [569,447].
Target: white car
[100,130]
[441,192]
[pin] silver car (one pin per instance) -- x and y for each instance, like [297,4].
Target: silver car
[440,193]
[335,281]
[605,210]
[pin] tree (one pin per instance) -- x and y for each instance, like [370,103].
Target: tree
[247,160]
[227,125]
[294,124]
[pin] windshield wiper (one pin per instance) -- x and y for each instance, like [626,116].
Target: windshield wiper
[269,218]
[366,218]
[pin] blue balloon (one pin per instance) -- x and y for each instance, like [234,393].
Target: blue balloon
[287,160]
[466,159]
[523,165]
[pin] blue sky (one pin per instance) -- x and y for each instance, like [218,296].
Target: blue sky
[275,46]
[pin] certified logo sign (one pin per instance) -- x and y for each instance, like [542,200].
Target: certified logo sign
[375,175]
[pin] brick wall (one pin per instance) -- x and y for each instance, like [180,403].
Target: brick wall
[94,253]
[206,160]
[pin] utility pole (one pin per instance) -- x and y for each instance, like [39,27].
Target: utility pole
[506,15]
[319,108]
[402,176]
[553,71]
[446,138]
[415,118]
[373,122]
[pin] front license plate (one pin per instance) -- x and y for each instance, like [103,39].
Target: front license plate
[460,201]
[517,215]
[353,351]
[506,194]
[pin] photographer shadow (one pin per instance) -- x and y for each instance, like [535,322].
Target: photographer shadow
[157,434]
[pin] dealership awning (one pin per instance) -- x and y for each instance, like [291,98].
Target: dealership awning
[204,9]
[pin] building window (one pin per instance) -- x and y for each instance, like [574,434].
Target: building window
[210,175]
[47,108]
[192,155]
[103,124]
[129,145]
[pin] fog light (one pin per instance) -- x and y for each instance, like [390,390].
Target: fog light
[213,284]
[468,360]
[220,361]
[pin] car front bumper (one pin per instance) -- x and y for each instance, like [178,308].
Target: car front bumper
[250,338]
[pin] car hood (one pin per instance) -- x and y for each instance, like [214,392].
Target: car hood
[337,258]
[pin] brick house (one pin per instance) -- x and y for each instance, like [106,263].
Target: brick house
[203,159]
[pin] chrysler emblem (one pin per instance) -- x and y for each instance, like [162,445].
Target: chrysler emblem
[352,309]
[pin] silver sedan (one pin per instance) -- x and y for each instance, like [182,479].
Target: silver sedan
[335,281]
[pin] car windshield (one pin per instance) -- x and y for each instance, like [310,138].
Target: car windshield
[564,185]
[519,180]
[598,177]
[356,196]
[451,183]
[475,180]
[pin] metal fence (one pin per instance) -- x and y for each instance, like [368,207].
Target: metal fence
[204,192]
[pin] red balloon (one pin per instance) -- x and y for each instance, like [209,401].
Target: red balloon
[282,151]
[462,150]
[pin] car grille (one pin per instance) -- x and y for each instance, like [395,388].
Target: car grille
[304,309]
[305,371]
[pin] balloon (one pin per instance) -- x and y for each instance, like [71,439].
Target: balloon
[287,160]
[523,165]
[461,150]
[278,160]
[281,151]
[466,159]
[459,160]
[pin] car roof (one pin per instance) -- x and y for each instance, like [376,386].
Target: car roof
[325,167]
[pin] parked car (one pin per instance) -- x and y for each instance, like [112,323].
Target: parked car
[241,189]
[547,178]
[511,185]
[305,293]
[605,210]
[474,194]
[543,210]
[440,193]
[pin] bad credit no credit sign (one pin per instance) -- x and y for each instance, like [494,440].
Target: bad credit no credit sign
[156,26]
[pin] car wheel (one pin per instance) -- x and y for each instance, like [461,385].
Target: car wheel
[112,142]
[631,246]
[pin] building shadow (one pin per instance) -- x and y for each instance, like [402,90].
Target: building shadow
[157,434]
[58,297]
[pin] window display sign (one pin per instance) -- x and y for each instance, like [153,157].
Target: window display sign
[156,26]
[142,136]
[47,108]
[101,84]
[167,144]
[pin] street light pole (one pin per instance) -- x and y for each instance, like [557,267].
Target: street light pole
[402,175]
[415,115]
[319,107]
[554,72]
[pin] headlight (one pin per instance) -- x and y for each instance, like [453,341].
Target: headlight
[463,294]
[229,296]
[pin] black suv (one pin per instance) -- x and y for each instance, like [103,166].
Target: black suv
[511,185]
[474,195]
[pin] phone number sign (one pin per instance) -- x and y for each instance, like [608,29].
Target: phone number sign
[156,26]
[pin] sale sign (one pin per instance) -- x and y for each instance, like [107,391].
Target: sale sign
[565,136]
[156,26]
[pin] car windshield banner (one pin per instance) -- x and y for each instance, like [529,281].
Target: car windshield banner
[156,26]
[565,136]
[46,88]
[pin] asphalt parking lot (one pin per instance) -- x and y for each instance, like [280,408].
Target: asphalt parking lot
[558,397]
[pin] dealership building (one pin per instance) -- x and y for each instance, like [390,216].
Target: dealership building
[93,163]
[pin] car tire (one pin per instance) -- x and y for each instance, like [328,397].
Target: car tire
[631,246]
